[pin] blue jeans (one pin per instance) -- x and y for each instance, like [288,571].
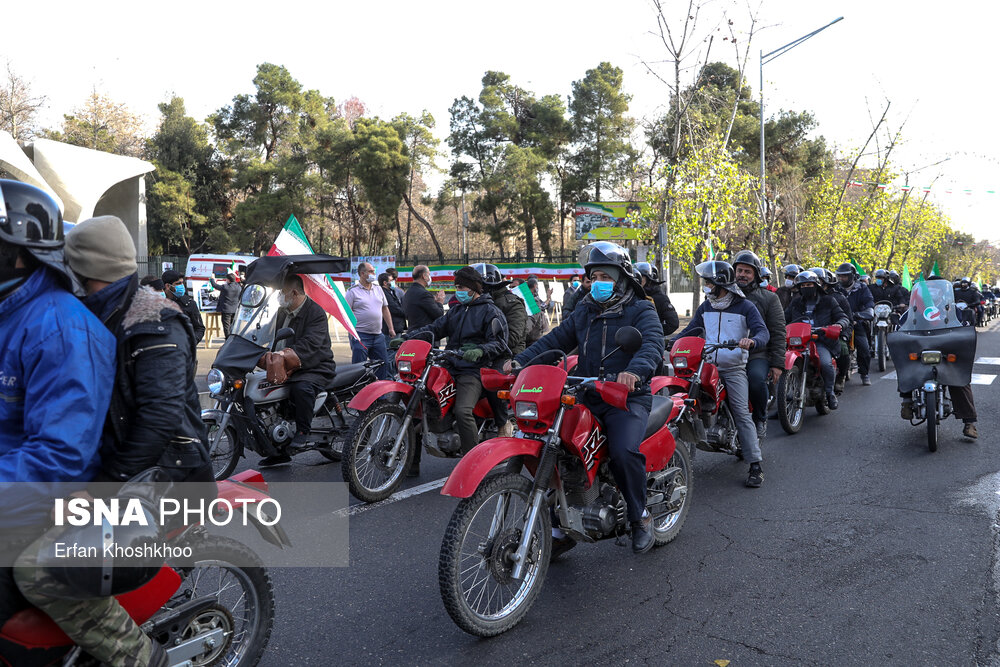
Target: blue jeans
[376,351]
[826,366]
[737,387]
[624,431]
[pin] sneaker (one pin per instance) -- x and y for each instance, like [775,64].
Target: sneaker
[761,429]
[970,431]
[642,534]
[561,545]
[755,477]
[865,381]
[906,410]
[275,460]
[831,401]
[299,443]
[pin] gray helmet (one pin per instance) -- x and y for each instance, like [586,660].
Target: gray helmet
[605,253]
[826,276]
[792,270]
[808,277]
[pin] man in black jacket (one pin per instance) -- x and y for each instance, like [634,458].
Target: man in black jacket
[229,301]
[419,305]
[173,286]
[823,312]
[968,293]
[765,364]
[654,290]
[395,306]
[308,356]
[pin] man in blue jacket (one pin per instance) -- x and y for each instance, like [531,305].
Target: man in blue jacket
[616,299]
[727,315]
[57,370]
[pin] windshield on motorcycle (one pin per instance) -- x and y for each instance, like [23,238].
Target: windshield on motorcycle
[932,306]
[255,320]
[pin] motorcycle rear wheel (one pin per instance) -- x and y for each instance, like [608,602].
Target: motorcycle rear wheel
[930,400]
[882,353]
[363,459]
[474,566]
[225,451]
[246,592]
[667,526]
[790,412]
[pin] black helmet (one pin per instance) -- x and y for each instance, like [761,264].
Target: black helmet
[792,270]
[765,272]
[808,277]
[749,258]
[881,273]
[825,276]
[30,218]
[605,253]
[492,278]
[719,273]
[647,271]
[894,278]
[847,269]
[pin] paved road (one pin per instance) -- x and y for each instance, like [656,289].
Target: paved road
[861,548]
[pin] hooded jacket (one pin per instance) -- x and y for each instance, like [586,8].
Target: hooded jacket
[470,323]
[57,370]
[769,307]
[591,328]
[740,320]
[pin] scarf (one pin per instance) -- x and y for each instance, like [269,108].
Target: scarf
[722,302]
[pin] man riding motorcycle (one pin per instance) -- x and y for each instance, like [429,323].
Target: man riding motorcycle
[823,312]
[57,365]
[516,316]
[968,293]
[469,329]
[616,300]
[765,364]
[664,309]
[726,315]
[863,311]
[785,291]
[828,285]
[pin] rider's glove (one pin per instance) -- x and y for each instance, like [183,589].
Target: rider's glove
[468,346]
[474,354]
[395,343]
[832,331]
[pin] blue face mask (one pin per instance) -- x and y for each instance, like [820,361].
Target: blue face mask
[576,283]
[601,290]
[878,281]
[179,290]
[463,296]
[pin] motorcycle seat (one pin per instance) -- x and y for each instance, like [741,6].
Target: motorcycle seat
[346,376]
[658,415]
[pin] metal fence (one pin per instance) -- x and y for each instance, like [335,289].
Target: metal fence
[153,265]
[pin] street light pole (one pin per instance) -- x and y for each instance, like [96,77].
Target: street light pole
[764,59]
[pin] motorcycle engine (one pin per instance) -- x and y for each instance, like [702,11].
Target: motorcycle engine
[601,517]
[279,429]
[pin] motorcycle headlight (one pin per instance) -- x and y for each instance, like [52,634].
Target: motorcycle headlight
[930,357]
[882,310]
[681,362]
[795,341]
[404,366]
[216,380]
[526,410]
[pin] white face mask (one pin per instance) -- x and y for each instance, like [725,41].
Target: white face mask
[763,283]
[707,290]
[789,282]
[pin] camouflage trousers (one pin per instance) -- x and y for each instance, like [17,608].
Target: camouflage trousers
[99,626]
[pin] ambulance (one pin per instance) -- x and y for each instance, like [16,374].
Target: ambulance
[202,267]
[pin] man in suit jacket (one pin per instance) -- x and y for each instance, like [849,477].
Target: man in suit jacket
[308,357]
[420,306]
[229,301]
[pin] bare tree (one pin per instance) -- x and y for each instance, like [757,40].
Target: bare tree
[18,106]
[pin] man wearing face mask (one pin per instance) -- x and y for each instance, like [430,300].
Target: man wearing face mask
[765,363]
[654,290]
[616,300]
[371,309]
[173,285]
[785,291]
[571,299]
[859,297]
[726,314]
[823,312]
[469,329]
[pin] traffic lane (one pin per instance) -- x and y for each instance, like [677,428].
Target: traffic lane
[860,544]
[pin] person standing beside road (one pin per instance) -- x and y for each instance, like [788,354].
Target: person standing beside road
[570,302]
[394,282]
[371,309]
[395,306]
[229,301]
[173,285]
[765,364]
[419,305]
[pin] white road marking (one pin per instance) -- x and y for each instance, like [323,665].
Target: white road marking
[977,378]
[989,361]
[354,510]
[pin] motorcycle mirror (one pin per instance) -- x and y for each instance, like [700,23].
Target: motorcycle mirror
[628,339]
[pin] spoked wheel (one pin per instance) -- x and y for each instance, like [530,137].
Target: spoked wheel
[880,351]
[224,448]
[365,463]
[667,525]
[244,608]
[930,401]
[789,409]
[475,566]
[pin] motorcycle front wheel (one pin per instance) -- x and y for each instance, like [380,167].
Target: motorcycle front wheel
[224,448]
[365,459]
[474,568]
[881,351]
[244,607]
[789,409]
[930,400]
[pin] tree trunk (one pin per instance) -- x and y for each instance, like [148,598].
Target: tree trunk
[425,223]
[406,248]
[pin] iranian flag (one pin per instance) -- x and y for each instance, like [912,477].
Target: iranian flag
[530,304]
[320,288]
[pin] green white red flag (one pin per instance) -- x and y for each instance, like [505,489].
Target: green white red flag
[530,304]
[320,288]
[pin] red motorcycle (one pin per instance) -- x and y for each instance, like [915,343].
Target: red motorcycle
[497,546]
[212,612]
[398,416]
[802,385]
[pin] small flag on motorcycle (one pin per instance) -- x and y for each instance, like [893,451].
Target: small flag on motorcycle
[906,281]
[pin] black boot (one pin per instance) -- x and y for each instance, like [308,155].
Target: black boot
[642,534]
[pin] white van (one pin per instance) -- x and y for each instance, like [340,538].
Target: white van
[202,267]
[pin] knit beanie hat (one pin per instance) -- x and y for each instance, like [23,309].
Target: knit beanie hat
[101,249]
[470,278]
[170,276]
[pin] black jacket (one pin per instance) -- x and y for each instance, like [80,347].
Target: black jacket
[769,306]
[785,295]
[311,343]
[971,296]
[420,307]
[513,311]
[664,309]
[155,416]
[470,323]
[229,296]
[190,309]
[859,299]
[826,312]
[592,329]
[844,304]
[395,310]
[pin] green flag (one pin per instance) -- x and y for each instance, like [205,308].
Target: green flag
[524,292]
[857,266]
[711,253]
[935,271]
[907,283]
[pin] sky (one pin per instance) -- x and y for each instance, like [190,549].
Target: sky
[931,60]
